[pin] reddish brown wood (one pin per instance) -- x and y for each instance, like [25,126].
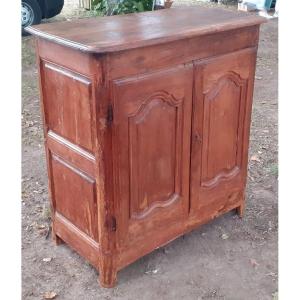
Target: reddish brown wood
[151,150]
[241,209]
[148,59]
[103,35]
[146,127]
[219,123]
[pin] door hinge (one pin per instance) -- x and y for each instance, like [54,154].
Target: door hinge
[111,223]
[110,115]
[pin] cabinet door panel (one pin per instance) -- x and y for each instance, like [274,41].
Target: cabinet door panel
[223,96]
[155,169]
[222,131]
[151,144]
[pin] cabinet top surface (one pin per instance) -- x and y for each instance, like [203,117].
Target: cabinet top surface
[116,33]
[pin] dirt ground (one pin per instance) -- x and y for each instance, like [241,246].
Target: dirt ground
[228,258]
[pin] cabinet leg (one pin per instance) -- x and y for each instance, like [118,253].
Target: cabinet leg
[56,239]
[240,210]
[108,277]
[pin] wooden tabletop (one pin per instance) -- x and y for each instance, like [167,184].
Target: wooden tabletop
[115,33]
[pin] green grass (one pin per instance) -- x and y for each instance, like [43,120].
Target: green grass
[274,169]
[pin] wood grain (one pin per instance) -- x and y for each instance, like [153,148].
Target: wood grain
[146,137]
[123,32]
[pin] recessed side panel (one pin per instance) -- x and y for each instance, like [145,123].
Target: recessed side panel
[67,104]
[74,196]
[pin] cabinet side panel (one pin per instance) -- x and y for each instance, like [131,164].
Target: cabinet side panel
[66,57]
[67,103]
[74,196]
[68,109]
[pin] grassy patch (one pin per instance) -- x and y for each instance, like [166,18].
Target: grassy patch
[274,169]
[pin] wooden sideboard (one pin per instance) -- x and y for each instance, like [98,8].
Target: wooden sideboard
[146,123]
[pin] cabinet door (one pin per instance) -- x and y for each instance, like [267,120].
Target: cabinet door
[220,133]
[151,149]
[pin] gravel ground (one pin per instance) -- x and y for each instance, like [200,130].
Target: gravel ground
[203,264]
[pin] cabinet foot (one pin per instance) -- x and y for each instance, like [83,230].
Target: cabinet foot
[108,278]
[56,239]
[240,210]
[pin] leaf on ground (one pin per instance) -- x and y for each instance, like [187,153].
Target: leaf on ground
[224,236]
[50,295]
[254,158]
[47,259]
[43,232]
[155,271]
[251,178]
[254,263]
[272,274]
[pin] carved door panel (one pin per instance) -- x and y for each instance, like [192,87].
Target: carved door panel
[151,148]
[220,133]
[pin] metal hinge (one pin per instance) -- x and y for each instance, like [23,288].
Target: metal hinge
[110,115]
[111,223]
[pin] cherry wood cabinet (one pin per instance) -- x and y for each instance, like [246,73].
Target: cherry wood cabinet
[146,123]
